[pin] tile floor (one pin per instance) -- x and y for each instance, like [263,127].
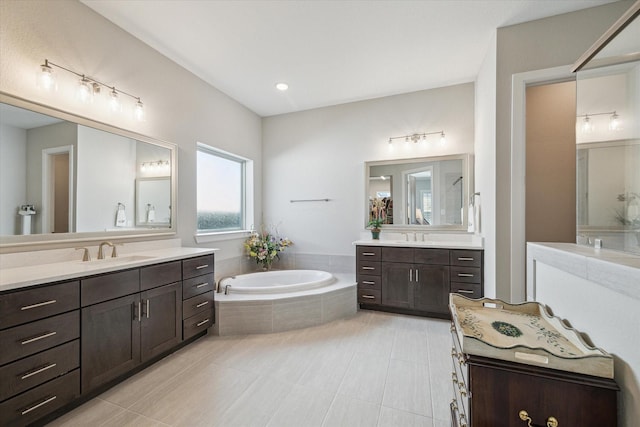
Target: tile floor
[373,369]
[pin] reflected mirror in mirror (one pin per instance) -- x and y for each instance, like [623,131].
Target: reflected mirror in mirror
[61,178]
[153,201]
[419,192]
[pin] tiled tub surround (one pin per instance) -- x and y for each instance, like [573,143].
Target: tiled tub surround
[238,314]
[598,290]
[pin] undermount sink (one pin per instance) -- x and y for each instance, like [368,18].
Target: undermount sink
[118,260]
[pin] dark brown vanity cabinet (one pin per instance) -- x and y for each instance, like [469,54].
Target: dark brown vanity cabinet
[416,280]
[197,295]
[39,351]
[120,332]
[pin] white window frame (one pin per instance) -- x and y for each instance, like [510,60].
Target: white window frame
[203,236]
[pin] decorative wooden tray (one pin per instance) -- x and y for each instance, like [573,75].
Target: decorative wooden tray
[524,333]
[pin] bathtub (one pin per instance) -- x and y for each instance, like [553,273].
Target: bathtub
[282,300]
[273,282]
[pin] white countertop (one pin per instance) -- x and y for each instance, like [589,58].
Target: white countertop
[618,271]
[22,276]
[420,240]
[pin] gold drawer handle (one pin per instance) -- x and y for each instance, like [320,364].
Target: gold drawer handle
[37,371]
[524,416]
[34,407]
[40,304]
[38,338]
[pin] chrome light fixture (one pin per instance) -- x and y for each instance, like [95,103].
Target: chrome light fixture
[587,125]
[417,137]
[88,87]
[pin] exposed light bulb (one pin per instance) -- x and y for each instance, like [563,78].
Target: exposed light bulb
[138,111]
[443,139]
[282,86]
[587,126]
[114,101]
[614,122]
[46,78]
[143,168]
[85,90]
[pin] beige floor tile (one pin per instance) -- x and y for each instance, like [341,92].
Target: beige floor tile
[440,371]
[348,412]
[390,417]
[327,371]
[92,413]
[411,346]
[131,419]
[303,406]
[256,405]
[365,378]
[408,388]
[376,341]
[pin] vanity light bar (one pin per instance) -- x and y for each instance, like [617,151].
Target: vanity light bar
[416,137]
[587,126]
[88,87]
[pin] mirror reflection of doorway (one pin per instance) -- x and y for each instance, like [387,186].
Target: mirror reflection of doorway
[57,190]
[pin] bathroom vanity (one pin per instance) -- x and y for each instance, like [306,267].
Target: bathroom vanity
[416,277]
[71,333]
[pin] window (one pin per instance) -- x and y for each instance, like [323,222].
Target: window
[224,191]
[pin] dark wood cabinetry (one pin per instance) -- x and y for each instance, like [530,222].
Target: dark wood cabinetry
[416,280]
[39,351]
[490,392]
[64,342]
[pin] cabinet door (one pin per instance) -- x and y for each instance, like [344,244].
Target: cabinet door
[396,283]
[110,340]
[161,326]
[431,289]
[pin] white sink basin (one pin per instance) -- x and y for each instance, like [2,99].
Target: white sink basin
[118,260]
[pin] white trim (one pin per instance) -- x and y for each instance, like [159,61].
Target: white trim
[520,81]
[222,235]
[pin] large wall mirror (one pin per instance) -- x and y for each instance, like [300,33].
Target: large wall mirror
[63,177]
[419,193]
[608,139]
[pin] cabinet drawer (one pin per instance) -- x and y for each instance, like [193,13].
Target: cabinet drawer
[197,304]
[368,253]
[469,290]
[368,297]
[397,254]
[198,323]
[431,256]
[33,304]
[25,340]
[197,286]
[466,258]
[34,404]
[197,266]
[369,282]
[160,274]
[39,368]
[109,286]
[369,268]
[466,275]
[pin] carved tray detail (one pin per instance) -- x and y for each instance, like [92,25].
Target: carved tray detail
[524,333]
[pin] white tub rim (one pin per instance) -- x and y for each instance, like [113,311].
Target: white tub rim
[317,279]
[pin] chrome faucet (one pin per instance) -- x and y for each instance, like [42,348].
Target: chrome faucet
[101,251]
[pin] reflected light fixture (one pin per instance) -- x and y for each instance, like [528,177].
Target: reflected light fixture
[88,88]
[417,137]
[282,86]
[614,122]
[587,125]
[158,166]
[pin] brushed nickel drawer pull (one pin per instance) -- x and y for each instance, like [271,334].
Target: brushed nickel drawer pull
[368,268]
[43,336]
[148,308]
[200,285]
[200,267]
[465,275]
[464,291]
[368,253]
[411,275]
[139,311]
[462,258]
[368,296]
[202,323]
[40,304]
[368,282]
[417,280]
[34,407]
[202,304]
[37,371]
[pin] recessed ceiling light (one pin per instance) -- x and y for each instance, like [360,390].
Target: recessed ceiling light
[282,86]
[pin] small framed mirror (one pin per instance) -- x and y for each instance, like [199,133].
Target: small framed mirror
[153,202]
[421,192]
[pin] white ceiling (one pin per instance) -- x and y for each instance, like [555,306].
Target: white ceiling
[329,52]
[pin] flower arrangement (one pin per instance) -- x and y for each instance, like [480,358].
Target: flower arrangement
[265,247]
